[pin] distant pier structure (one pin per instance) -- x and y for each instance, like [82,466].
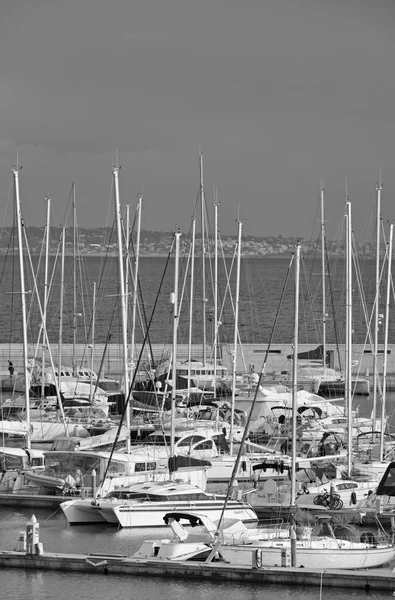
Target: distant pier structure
[250,357]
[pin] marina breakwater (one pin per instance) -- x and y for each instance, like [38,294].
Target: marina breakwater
[369,580]
[109,358]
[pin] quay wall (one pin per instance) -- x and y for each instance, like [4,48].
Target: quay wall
[101,564]
[109,359]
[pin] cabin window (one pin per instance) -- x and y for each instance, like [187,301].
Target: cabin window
[115,467]
[8,461]
[206,445]
[140,467]
[190,440]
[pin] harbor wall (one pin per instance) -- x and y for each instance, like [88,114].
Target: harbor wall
[109,359]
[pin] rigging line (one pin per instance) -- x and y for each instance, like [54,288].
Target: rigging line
[333,306]
[29,258]
[308,300]
[141,307]
[128,397]
[228,274]
[249,418]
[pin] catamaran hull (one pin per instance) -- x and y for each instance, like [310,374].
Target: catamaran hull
[152,516]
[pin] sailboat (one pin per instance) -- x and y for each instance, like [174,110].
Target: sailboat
[262,546]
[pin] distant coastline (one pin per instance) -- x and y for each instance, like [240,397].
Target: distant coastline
[156,244]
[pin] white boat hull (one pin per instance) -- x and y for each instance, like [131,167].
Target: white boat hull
[152,516]
[327,554]
[79,511]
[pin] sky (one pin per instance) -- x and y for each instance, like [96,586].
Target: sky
[278,95]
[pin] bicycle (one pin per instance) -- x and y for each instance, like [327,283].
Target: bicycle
[331,501]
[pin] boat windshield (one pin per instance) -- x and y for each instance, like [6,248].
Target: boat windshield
[62,464]
[11,462]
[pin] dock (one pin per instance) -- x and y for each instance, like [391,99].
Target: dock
[29,500]
[367,580]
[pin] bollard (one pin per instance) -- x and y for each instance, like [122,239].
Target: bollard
[286,557]
[32,535]
[21,543]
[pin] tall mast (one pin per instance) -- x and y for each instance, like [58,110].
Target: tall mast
[126,265]
[60,343]
[348,390]
[45,296]
[202,202]
[174,298]
[20,224]
[236,329]
[294,375]
[135,282]
[191,302]
[376,301]
[92,342]
[215,288]
[387,311]
[123,299]
[74,286]
[323,277]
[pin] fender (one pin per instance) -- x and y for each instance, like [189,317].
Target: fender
[258,558]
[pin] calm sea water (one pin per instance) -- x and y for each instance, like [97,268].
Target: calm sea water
[266,296]
[57,536]
[266,305]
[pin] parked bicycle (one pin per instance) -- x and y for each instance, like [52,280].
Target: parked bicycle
[332,501]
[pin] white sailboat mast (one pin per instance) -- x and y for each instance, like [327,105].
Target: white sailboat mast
[62,284]
[135,281]
[203,215]
[123,300]
[236,329]
[294,375]
[348,389]
[215,341]
[174,298]
[376,301]
[20,224]
[93,342]
[74,285]
[387,312]
[45,295]
[323,278]
[191,302]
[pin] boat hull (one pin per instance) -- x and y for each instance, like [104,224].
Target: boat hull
[152,516]
[313,556]
[82,512]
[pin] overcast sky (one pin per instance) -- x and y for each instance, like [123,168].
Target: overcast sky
[276,93]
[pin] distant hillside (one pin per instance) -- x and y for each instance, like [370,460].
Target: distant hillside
[95,240]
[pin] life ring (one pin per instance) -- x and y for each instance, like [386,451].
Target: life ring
[258,558]
[353,498]
[368,538]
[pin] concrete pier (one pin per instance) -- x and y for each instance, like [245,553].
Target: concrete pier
[367,580]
